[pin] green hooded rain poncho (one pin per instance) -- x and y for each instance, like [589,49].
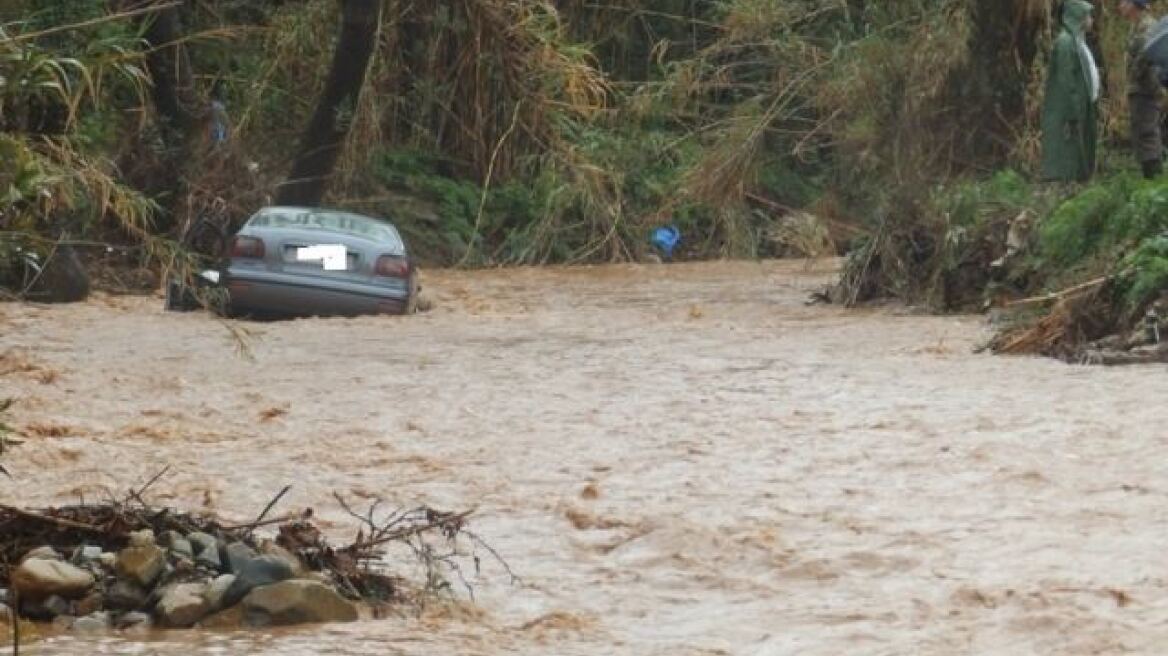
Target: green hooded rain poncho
[1069,127]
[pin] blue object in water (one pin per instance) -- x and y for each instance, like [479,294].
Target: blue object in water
[666,238]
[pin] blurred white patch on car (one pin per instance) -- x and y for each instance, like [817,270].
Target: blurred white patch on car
[331,256]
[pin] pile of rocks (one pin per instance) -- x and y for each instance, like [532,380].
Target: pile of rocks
[175,580]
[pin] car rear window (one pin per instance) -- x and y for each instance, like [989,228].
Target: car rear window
[351,224]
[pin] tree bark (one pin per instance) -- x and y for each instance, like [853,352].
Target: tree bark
[321,144]
[169,64]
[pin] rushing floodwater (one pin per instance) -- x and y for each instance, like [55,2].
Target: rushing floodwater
[676,460]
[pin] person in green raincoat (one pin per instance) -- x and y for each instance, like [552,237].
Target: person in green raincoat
[1069,126]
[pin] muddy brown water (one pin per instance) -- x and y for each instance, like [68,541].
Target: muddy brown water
[675,459]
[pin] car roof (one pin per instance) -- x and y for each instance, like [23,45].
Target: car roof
[320,218]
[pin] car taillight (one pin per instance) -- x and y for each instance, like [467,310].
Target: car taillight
[249,247]
[392,266]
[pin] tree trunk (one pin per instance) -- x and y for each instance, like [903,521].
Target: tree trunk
[321,144]
[173,90]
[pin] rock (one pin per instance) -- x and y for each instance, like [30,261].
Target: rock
[86,554]
[270,548]
[178,545]
[238,553]
[217,590]
[230,618]
[132,620]
[93,623]
[37,579]
[63,622]
[125,595]
[108,559]
[141,538]
[295,602]
[92,603]
[45,609]
[62,280]
[252,571]
[182,548]
[182,605]
[141,563]
[206,549]
[44,553]
[57,605]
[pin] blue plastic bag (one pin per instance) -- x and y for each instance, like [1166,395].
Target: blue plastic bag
[666,239]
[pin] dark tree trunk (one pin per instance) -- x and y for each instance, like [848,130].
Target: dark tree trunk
[321,144]
[170,69]
[988,95]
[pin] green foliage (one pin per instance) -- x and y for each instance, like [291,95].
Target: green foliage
[1104,220]
[972,202]
[1143,274]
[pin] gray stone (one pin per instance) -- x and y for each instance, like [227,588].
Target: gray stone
[87,554]
[142,538]
[93,623]
[57,605]
[206,549]
[44,553]
[295,602]
[142,564]
[182,605]
[178,545]
[125,595]
[37,579]
[132,620]
[217,590]
[270,548]
[63,622]
[46,609]
[237,554]
[182,548]
[252,571]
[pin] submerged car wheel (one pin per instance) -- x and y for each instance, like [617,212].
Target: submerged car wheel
[179,297]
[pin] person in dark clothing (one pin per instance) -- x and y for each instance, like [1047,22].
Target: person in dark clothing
[1144,91]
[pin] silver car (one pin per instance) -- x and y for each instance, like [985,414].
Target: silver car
[301,261]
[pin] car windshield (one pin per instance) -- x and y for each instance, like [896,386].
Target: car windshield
[343,222]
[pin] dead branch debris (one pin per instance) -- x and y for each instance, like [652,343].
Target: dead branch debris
[360,570]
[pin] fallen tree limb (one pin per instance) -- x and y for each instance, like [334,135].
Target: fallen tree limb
[1055,296]
[47,519]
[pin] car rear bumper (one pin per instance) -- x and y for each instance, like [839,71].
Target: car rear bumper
[271,293]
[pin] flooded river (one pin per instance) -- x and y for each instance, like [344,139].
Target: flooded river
[676,460]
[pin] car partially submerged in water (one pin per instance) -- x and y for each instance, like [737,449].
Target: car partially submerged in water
[304,261]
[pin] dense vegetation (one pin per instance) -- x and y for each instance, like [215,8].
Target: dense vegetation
[533,131]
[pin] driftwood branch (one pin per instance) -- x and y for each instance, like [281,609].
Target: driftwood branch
[1054,296]
[59,521]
